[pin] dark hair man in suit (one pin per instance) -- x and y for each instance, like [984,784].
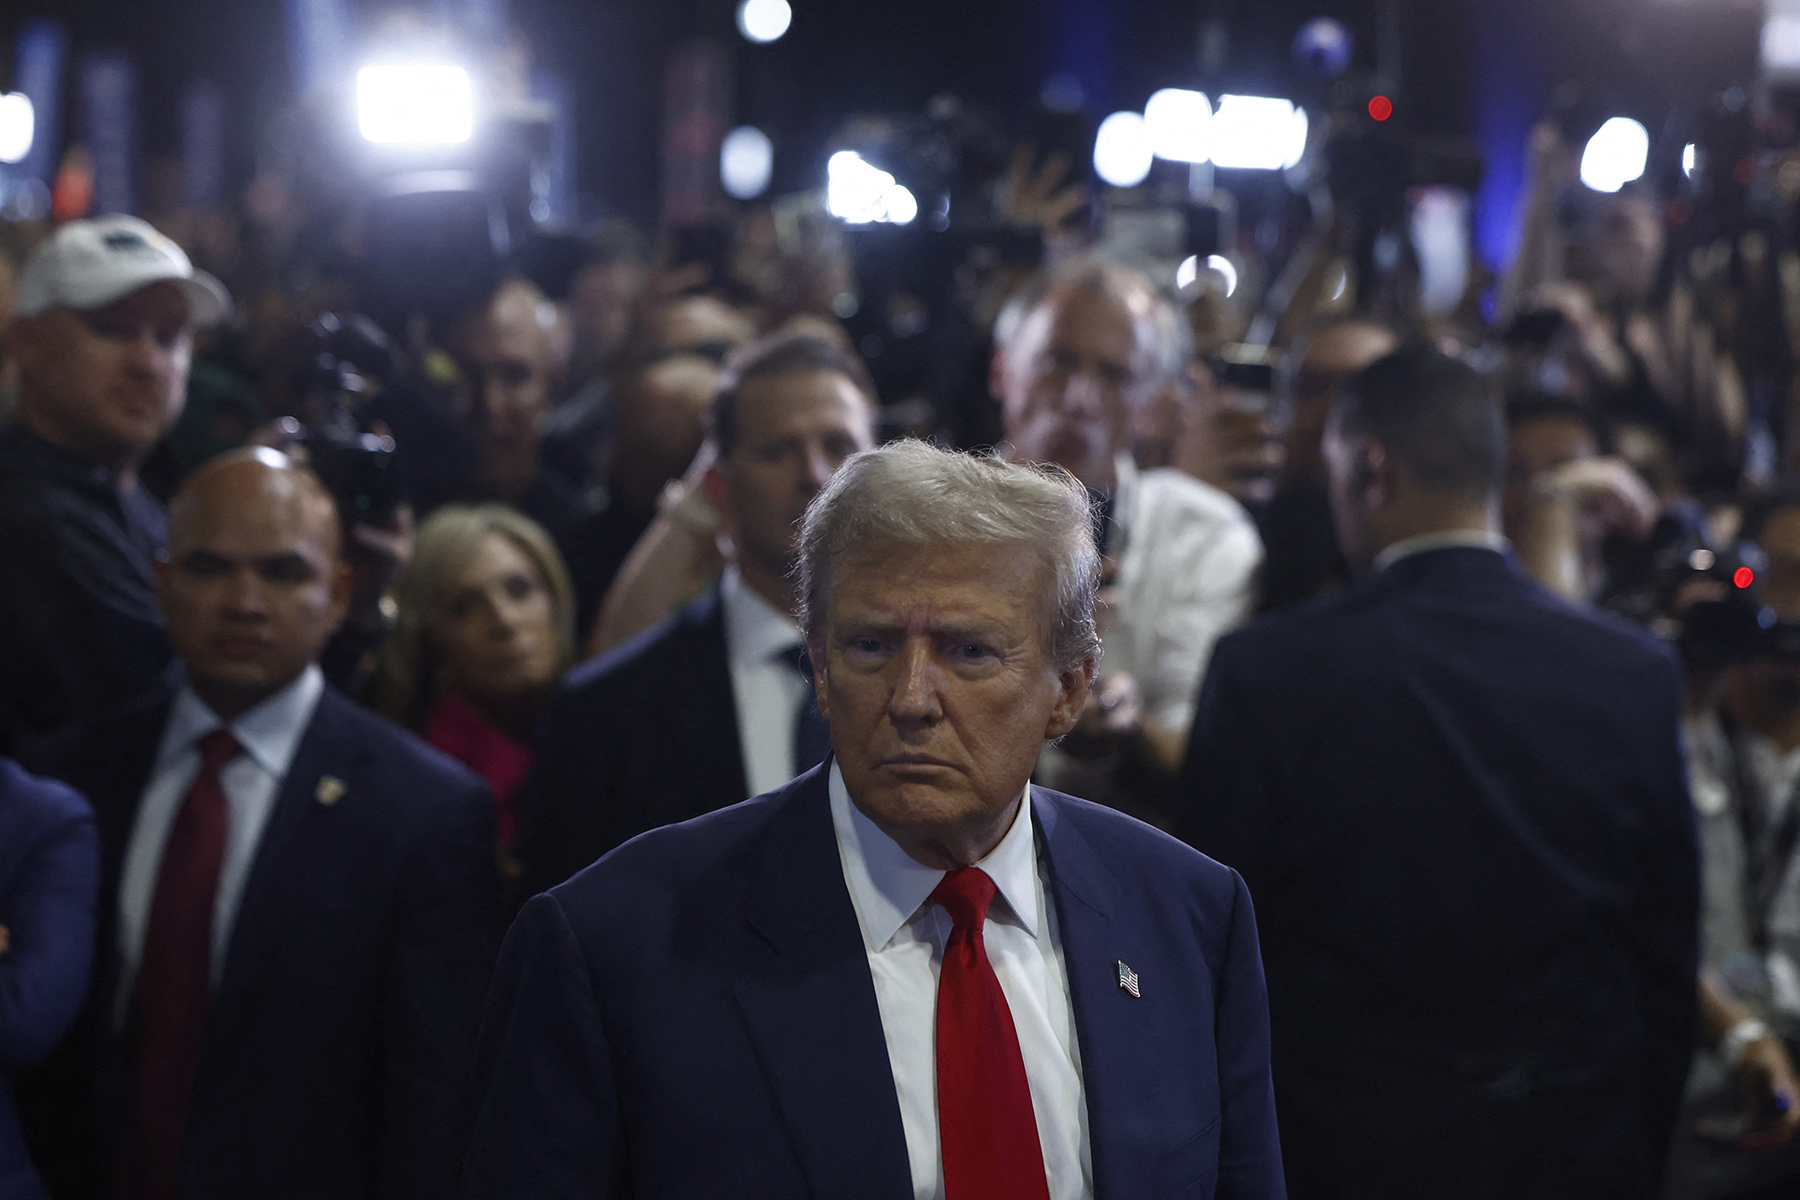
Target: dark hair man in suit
[1460,805]
[711,706]
[908,972]
[296,918]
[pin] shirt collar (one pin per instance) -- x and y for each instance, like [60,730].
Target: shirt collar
[1448,539]
[269,733]
[889,886]
[755,630]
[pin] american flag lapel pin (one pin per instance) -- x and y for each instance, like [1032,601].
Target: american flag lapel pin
[1128,981]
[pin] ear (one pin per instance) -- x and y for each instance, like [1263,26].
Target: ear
[997,375]
[343,582]
[815,655]
[1071,697]
[1379,472]
[716,489]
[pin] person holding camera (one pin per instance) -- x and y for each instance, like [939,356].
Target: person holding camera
[107,310]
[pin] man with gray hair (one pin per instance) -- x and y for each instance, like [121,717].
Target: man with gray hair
[909,972]
[1080,356]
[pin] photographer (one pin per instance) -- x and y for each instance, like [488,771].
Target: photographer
[1743,739]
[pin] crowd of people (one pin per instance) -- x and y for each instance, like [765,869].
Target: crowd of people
[1470,648]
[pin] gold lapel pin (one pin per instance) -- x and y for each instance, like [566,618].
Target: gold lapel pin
[1128,980]
[330,790]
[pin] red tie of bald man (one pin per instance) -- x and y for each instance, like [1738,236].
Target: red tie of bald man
[173,994]
[986,1129]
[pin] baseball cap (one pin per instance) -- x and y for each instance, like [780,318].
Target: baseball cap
[89,264]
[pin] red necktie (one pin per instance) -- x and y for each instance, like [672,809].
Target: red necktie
[986,1129]
[173,993]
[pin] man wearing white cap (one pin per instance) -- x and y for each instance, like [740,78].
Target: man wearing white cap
[107,310]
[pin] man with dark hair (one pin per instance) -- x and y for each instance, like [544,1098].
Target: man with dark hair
[711,706]
[1460,805]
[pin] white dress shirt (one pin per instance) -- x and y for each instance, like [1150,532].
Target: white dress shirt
[269,734]
[760,644]
[1187,574]
[905,934]
[1448,539]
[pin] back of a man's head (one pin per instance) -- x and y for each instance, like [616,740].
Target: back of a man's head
[1435,415]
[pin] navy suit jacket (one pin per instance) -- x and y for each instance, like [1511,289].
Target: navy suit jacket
[642,736]
[49,872]
[1461,806]
[695,1016]
[339,1036]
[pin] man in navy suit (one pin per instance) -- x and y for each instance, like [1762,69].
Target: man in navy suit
[1461,807]
[907,973]
[710,706]
[297,900]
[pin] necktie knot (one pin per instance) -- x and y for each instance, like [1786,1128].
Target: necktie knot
[965,894]
[218,748]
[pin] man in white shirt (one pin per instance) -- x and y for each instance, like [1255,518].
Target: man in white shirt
[910,972]
[712,705]
[1079,356]
[298,912]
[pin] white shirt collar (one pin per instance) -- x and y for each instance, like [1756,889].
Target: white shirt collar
[889,887]
[755,630]
[269,733]
[1475,539]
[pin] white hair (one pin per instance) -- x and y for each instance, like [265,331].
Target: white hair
[1167,349]
[915,494]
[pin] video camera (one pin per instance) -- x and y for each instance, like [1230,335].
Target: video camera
[349,357]
[1704,601]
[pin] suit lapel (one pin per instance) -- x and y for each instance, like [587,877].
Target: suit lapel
[809,1002]
[1117,1041]
[713,739]
[280,853]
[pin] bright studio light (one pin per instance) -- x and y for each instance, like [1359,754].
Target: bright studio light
[416,104]
[1690,155]
[1122,151]
[1179,123]
[1257,133]
[17,125]
[746,161]
[764,21]
[1615,155]
[861,193]
[1189,271]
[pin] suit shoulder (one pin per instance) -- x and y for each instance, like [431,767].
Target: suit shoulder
[41,802]
[645,656]
[400,752]
[1119,838]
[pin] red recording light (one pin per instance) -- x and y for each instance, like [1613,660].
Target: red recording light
[1381,108]
[1743,577]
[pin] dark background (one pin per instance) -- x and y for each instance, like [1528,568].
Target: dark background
[1484,70]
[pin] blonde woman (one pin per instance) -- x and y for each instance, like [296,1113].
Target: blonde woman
[486,624]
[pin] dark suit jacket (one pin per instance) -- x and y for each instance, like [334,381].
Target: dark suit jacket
[644,735]
[49,871]
[339,1035]
[1461,807]
[695,1016]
